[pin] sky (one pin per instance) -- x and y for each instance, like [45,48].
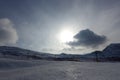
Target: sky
[56,26]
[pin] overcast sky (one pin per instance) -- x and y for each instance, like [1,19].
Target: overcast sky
[36,24]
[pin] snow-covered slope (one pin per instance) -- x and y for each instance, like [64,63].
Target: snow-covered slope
[110,53]
[59,70]
[113,50]
[6,64]
[19,53]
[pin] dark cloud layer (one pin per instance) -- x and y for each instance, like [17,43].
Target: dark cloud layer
[88,38]
[8,34]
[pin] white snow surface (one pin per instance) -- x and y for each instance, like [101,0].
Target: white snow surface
[57,70]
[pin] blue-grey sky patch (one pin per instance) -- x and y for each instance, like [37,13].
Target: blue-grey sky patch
[38,22]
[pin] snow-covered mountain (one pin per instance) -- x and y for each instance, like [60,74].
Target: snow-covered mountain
[30,69]
[19,53]
[110,53]
[113,50]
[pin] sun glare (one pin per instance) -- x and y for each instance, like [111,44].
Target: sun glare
[66,36]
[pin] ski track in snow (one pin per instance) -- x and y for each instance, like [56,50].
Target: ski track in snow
[59,70]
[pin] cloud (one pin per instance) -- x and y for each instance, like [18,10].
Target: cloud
[8,34]
[73,49]
[88,38]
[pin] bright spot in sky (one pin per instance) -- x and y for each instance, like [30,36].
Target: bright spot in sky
[66,36]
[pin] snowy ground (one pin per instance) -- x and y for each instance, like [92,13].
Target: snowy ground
[56,70]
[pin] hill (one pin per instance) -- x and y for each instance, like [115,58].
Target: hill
[110,53]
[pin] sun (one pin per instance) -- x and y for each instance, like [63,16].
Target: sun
[66,36]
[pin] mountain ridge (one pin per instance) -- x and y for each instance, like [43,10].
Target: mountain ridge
[110,53]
